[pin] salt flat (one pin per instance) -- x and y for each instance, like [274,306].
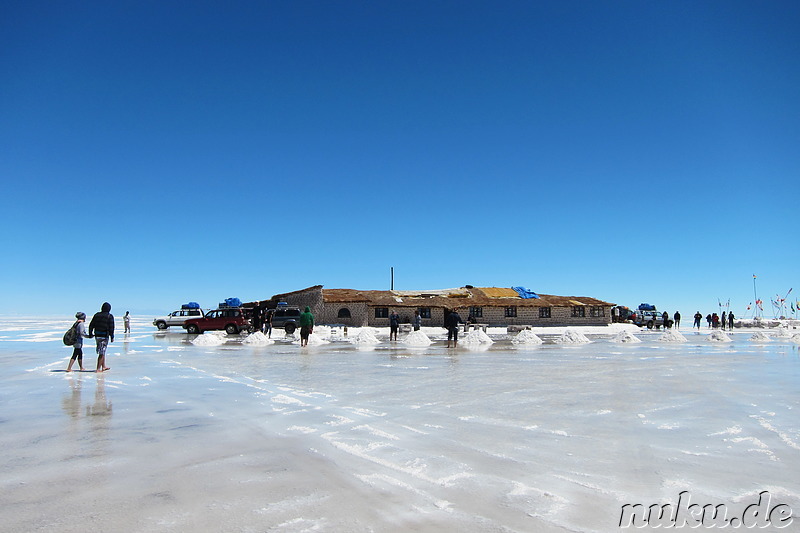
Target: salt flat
[358,436]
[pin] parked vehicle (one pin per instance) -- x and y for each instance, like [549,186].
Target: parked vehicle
[621,313]
[647,316]
[285,317]
[232,319]
[177,318]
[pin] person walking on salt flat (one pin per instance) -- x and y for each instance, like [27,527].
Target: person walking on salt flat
[77,348]
[451,323]
[306,326]
[102,328]
[394,325]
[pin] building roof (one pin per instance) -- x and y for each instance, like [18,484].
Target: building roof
[449,298]
[499,292]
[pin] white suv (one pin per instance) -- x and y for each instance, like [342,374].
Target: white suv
[177,318]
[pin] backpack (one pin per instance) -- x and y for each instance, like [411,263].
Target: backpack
[71,335]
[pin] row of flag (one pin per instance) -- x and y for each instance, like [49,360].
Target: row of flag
[777,302]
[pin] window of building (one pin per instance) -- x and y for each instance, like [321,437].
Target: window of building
[476,312]
[381,312]
[578,311]
[343,313]
[511,312]
[597,311]
[544,312]
[424,312]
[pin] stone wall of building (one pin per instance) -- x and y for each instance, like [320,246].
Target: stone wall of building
[406,316]
[364,314]
[531,316]
[562,316]
[310,297]
[496,316]
[331,314]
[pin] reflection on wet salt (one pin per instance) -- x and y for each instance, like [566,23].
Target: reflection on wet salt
[496,439]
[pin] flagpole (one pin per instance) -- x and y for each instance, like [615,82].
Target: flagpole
[755,297]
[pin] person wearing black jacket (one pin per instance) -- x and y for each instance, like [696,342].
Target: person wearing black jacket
[102,329]
[268,322]
[394,325]
[258,316]
[451,322]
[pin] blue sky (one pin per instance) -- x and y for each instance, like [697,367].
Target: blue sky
[159,152]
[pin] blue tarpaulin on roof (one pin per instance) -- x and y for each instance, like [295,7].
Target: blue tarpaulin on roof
[525,293]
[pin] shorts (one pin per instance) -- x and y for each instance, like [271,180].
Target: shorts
[102,344]
[305,331]
[452,334]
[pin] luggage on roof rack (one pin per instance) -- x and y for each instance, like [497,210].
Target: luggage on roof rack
[191,305]
[231,302]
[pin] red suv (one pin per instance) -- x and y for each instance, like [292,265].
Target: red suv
[231,319]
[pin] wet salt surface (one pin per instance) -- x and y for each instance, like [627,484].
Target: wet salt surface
[386,437]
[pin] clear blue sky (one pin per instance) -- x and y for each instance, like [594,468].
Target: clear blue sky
[156,152]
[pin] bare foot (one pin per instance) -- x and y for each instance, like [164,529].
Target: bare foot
[106,368]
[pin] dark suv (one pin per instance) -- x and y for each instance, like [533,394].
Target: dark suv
[285,317]
[231,319]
